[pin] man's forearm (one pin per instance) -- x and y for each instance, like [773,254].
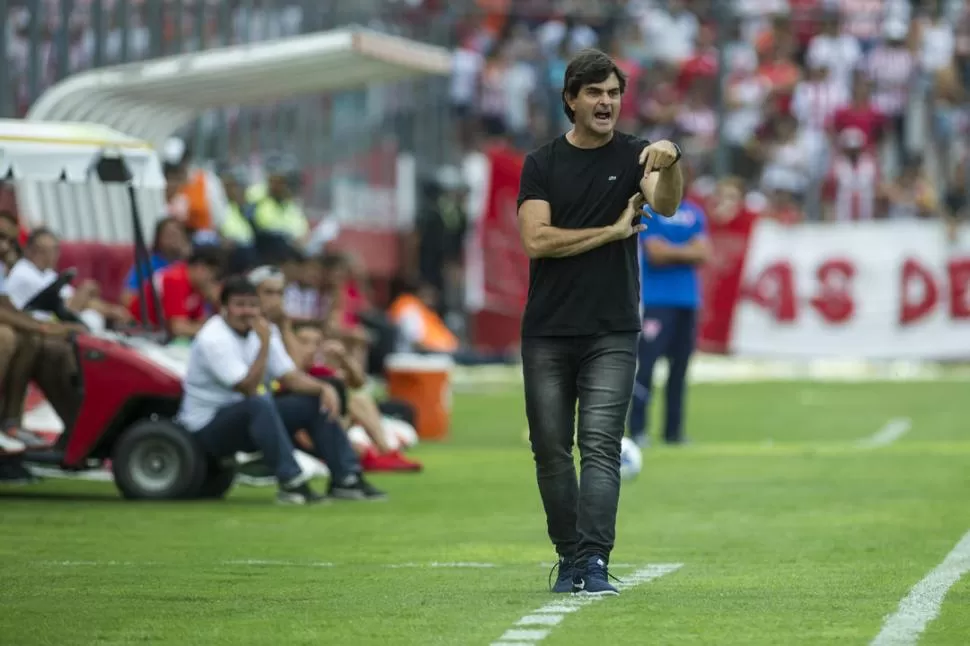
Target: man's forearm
[553,242]
[250,383]
[18,320]
[668,190]
[693,253]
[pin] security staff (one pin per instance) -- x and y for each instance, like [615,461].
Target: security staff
[672,250]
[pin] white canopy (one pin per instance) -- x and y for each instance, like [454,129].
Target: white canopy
[68,152]
[152,100]
[53,168]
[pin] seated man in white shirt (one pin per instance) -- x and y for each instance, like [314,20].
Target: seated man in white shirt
[227,401]
[36,270]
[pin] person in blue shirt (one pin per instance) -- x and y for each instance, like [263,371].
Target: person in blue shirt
[171,245]
[672,249]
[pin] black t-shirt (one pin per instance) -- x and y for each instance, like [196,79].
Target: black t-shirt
[597,292]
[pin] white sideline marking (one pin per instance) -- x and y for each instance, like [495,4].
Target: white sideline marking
[554,612]
[278,563]
[922,604]
[892,431]
[540,620]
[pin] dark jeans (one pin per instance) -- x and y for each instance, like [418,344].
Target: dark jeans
[598,373]
[252,425]
[330,443]
[262,423]
[667,332]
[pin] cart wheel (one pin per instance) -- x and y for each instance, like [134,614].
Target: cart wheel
[158,460]
[218,480]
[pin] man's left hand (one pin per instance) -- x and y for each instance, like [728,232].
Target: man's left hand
[658,155]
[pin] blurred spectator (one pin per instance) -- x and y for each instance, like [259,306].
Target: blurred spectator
[196,196]
[891,67]
[789,155]
[861,113]
[171,245]
[814,102]
[238,229]
[278,217]
[835,49]
[912,194]
[301,298]
[696,123]
[671,31]
[852,184]
[187,290]
[36,270]
[441,230]
[413,310]
[936,38]
[783,204]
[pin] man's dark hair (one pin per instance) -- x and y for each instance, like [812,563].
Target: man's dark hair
[212,257]
[587,67]
[162,224]
[236,286]
[37,234]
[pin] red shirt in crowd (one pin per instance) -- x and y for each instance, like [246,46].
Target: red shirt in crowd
[721,278]
[179,298]
[701,65]
[867,119]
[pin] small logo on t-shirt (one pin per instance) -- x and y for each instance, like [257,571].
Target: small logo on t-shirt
[612,178]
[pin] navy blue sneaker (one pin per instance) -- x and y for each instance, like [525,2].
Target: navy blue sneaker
[564,578]
[595,579]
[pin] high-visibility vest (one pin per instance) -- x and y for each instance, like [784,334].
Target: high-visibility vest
[435,337]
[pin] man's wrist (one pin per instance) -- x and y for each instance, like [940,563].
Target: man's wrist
[680,153]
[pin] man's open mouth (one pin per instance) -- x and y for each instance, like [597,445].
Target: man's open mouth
[602,115]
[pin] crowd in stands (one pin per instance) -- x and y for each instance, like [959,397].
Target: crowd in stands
[832,109]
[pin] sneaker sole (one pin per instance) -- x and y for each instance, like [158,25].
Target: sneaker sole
[604,593]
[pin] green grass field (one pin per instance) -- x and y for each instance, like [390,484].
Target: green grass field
[789,531]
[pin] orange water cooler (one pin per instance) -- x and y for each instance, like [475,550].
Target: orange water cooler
[424,381]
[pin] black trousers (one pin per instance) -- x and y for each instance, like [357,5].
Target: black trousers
[597,373]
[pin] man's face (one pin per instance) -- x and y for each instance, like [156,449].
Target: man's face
[233,190]
[597,106]
[861,91]
[202,277]
[240,312]
[172,241]
[8,235]
[271,298]
[44,252]
[279,188]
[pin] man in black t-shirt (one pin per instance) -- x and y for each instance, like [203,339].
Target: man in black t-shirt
[578,223]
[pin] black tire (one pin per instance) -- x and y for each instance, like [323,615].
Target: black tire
[218,480]
[158,460]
